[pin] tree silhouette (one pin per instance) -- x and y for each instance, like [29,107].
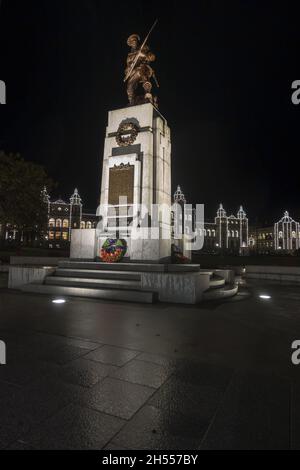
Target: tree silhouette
[21,204]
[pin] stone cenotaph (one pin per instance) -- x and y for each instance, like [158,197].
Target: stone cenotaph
[135,201]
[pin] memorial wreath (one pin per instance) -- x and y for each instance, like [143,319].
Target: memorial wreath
[113,250]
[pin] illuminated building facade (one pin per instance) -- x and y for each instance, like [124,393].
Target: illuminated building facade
[233,234]
[261,239]
[283,236]
[228,233]
[63,216]
[287,234]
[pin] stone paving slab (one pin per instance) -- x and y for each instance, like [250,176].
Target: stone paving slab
[156,359]
[74,427]
[25,407]
[60,354]
[161,376]
[117,397]
[143,373]
[203,373]
[112,355]
[84,372]
[153,428]
[65,340]
[23,372]
[255,413]
[188,399]
[295,416]
[19,445]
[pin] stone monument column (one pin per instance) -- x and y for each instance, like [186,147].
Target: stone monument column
[137,165]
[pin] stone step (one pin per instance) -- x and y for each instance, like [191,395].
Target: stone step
[206,271]
[216,281]
[97,274]
[128,295]
[229,290]
[91,282]
[155,267]
[137,267]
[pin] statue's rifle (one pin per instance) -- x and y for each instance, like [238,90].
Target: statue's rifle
[155,79]
[139,53]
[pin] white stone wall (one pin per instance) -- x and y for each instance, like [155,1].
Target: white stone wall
[175,287]
[285,274]
[83,244]
[21,275]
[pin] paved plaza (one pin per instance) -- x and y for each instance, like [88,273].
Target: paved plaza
[91,374]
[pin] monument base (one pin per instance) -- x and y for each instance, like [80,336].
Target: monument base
[157,250]
[85,244]
[134,282]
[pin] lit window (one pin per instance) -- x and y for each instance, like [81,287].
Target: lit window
[82,224]
[51,235]
[58,223]
[65,235]
[51,222]
[65,223]
[57,235]
[280,234]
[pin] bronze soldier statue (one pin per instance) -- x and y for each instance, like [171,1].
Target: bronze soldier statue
[139,72]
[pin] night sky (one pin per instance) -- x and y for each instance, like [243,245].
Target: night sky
[225,71]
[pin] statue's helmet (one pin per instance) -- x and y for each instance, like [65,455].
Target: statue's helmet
[132,39]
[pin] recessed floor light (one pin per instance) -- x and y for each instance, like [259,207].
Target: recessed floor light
[58,301]
[263,296]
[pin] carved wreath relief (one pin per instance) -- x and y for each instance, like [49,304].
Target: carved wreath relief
[126,134]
